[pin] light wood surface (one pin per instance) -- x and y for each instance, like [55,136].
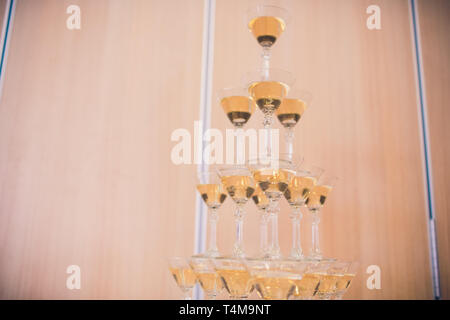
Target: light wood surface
[435,41]
[362,127]
[85,123]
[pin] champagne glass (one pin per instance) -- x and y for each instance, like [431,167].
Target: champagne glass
[235,277]
[315,201]
[290,112]
[268,87]
[306,286]
[213,194]
[296,195]
[183,274]
[237,104]
[344,272]
[240,186]
[327,280]
[273,279]
[206,275]
[267,23]
[273,176]
[262,203]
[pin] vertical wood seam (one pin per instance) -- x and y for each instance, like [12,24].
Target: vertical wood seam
[422,110]
[6,30]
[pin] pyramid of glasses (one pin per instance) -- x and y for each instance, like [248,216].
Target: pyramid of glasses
[266,180]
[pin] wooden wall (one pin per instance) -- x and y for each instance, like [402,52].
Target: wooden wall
[434,29]
[86,118]
[85,123]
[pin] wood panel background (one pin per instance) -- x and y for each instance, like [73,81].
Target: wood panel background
[85,123]
[2,13]
[434,30]
[362,126]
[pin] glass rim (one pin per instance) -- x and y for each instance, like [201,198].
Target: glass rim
[328,178]
[220,170]
[275,74]
[222,93]
[254,11]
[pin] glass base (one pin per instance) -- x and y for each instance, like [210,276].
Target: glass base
[296,254]
[315,256]
[238,252]
[212,253]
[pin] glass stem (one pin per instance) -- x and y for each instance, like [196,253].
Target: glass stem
[267,126]
[289,138]
[265,63]
[212,246]
[296,251]
[238,250]
[263,233]
[273,216]
[315,250]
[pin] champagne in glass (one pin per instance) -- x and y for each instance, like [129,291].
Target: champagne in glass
[240,186]
[238,106]
[273,177]
[266,29]
[268,87]
[183,274]
[290,112]
[235,278]
[296,195]
[306,287]
[213,194]
[314,202]
[273,280]
[319,270]
[267,23]
[268,95]
[262,203]
[344,272]
[206,275]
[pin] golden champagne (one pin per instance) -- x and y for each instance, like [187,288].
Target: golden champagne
[343,281]
[266,29]
[237,282]
[273,181]
[260,199]
[210,281]
[317,196]
[307,286]
[238,109]
[327,285]
[185,277]
[212,194]
[240,188]
[298,190]
[268,94]
[275,285]
[290,112]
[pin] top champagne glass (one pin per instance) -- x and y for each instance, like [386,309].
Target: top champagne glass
[267,23]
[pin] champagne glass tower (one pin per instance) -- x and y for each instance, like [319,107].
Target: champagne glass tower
[266,179]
